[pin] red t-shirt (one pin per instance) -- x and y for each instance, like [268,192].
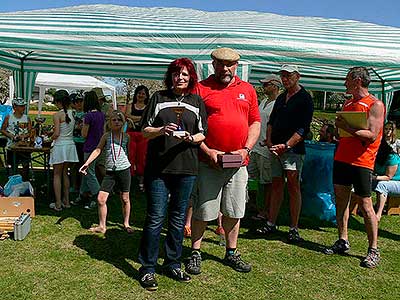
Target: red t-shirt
[352,150]
[230,110]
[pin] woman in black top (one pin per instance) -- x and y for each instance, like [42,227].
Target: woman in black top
[175,124]
[138,143]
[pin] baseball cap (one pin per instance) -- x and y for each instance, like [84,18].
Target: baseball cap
[99,92]
[289,68]
[19,101]
[273,79]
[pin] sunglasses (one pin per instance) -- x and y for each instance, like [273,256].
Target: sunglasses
[115,120]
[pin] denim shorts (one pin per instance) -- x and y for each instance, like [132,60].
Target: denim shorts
[217,190]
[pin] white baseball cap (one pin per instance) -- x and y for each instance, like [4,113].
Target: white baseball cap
[289,68]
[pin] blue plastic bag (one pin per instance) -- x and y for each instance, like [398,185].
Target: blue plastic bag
[5,110]
[317,185]
[12,180]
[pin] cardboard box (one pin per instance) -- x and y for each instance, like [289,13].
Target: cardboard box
[229,160]
[15,206]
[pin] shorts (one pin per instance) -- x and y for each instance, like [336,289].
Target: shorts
[358,177]
[217,190]
[260,168]
[120,179]
[288,161]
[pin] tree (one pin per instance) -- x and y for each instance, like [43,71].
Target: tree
[4,86]
[129,85]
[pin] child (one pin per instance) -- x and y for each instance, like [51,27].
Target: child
[64,151]
[79,114]
[17,127]
[115,144]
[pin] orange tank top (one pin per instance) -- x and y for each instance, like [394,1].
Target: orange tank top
[352,150]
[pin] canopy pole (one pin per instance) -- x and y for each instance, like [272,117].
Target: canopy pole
[383,85]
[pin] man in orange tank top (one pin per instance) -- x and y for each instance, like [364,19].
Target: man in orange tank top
[354,163]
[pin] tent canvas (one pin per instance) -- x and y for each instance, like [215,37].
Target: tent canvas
[69,82]
[139,42]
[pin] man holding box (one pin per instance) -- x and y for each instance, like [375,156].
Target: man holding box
[354,163]
[234,126]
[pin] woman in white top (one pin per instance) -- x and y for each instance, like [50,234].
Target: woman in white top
[64,150]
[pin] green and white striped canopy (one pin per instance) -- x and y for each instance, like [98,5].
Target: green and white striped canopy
[120,41]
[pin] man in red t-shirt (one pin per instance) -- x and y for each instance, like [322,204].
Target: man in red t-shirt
[354,163]
[233,126]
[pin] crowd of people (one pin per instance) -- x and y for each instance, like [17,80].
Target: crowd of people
[174,144]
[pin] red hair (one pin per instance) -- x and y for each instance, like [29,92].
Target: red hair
[176,66]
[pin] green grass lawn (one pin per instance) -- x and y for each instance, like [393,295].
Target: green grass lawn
[60,259]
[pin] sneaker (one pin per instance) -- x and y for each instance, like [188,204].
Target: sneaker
[235,262]
[75,202]
[149,282]
[372,259]
[177,274]
[341,246]
[294,236]
[187,232]
[220,231]
[193,263]
[266,229]
[141,187]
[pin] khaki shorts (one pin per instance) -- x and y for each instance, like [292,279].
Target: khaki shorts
[288,161]
[260,168]
[219,190]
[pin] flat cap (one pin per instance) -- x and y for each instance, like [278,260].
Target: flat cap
[227,54]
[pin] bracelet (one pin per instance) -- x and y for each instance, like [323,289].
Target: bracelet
[248,150]
[191,138]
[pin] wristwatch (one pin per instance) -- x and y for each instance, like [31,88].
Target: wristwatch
[248,150]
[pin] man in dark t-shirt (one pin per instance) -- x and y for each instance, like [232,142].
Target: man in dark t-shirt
[288,125]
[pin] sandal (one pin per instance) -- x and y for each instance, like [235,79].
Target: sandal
[65,206]
[54,207]
[129,230]
[97,229]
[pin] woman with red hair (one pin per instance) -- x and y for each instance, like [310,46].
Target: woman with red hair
[175,124]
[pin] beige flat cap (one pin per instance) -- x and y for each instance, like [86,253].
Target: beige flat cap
[227,54]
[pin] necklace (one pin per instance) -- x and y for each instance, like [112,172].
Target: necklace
[113,153]
[179,99]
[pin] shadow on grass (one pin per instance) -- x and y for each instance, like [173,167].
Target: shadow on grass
[114,247]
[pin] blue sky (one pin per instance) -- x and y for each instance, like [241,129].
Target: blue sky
[383,12]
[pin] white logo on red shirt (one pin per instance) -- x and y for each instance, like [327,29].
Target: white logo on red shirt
[242,97]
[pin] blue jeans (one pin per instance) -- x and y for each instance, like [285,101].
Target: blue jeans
[89,181]
[179,187]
